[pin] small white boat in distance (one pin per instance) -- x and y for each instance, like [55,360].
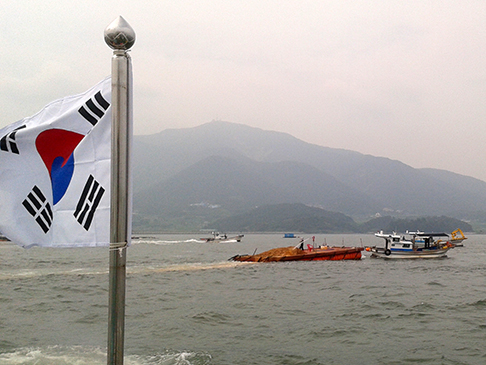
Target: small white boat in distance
[223,237]
[414,245]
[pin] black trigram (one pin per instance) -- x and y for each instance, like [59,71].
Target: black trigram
[8,144]
[88,202]
[38,206]
[94,109]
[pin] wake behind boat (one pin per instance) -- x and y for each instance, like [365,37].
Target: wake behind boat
[217,237]
[414,245]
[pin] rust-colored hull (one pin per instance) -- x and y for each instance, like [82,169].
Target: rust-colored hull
[315,254]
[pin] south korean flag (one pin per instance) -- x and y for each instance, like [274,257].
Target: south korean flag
[55,173]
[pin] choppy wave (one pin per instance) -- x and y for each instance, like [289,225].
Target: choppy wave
[77,355]
[186,301]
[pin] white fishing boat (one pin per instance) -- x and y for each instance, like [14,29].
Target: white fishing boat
[222,237]
[412,245]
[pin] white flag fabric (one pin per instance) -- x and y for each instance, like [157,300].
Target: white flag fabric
[55,173]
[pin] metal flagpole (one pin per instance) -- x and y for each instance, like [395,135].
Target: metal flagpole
[120,37]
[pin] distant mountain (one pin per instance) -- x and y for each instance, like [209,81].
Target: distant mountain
[198,175]
[288,218]
[424,224]
[304,219]
[239,184]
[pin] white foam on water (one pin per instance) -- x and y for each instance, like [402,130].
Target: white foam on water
[78,355]
[153,241]
[54,355]
[171,358]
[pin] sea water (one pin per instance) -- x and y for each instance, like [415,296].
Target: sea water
[187,304]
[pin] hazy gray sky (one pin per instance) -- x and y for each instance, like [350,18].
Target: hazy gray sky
[393,78]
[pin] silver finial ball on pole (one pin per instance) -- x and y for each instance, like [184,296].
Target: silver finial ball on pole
[119,35]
